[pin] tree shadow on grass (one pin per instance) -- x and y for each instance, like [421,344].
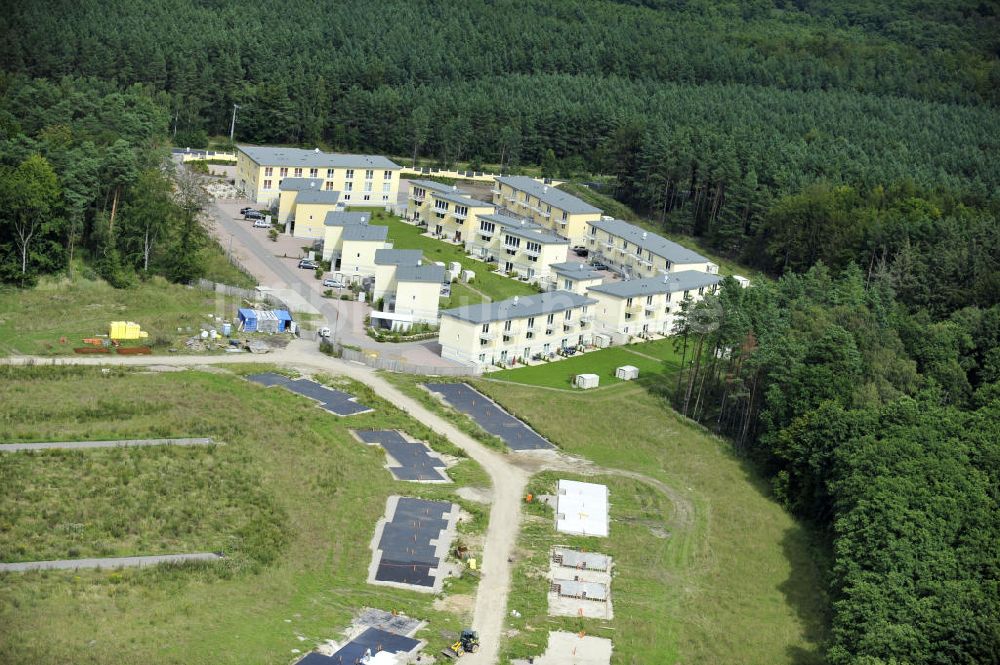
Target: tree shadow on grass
[805,592]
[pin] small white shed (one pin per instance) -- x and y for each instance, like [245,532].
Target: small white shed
[455,267]
[627,372]
[586,381]
[468,275]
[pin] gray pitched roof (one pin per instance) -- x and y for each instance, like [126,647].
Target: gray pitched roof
[317,196]
[525,228]
[270,156]
[518,307]
[462,199]
[428,272]
[548,194]
[366,232]
[647,240]
[342,218]
[576,270]
[433,186]
[669,283]
[397,257]
[299,184]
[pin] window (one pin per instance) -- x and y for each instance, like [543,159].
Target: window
[486,327]
[368,197]
[348,186]
[487,227]
[368,186]
[298,172]
[548,209]
[531,323]
[565,216]
[386,187]
[701,290]
[369,174]
[533,246]
[313,173]
[668,296]
[386,175]
[512,241]
[687,294]
[283,171]
[459,210]
[268,171]
[267,184]
[347,197]
[385,197]
[568,315]
[649,300]
[628,303]
[568,284]
[507,325]
[482,357]
[330,173]
[551,319]
[329,186]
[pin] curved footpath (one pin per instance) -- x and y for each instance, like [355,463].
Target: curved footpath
[509,480]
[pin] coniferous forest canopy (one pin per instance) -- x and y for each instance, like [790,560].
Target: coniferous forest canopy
[849,148]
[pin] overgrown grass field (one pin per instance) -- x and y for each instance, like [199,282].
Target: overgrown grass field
[329,489]
[736,581]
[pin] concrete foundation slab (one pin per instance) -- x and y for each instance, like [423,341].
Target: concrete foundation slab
[572,649]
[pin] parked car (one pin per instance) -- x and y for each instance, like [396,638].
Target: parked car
[244,211]
[306,264]
[597,265]
[252,214]
[581,251]
[445,290]
[260,224]
[324,332]
[333,283]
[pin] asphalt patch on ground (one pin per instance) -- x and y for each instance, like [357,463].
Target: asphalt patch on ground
[488,415]
[405,552]
[336,402]
[415,460]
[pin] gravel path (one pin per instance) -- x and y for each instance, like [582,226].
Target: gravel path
[110,562]
[123,443]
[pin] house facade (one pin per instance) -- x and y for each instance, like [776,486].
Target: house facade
[358,246]
[387,262]
[362,180]
[333,232]
[499,333]
[448,212]
[647,306]
[289,190]
[546,205]
[635,252]
[575,277]
[418,292]
[520,247]
[308,216]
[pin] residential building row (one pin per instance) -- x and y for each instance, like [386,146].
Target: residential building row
[360,180]
[635,252]
[547,206]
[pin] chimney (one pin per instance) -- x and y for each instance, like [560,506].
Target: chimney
[644,234]
[515,301]
[420,262]
[315,149]
[545,188]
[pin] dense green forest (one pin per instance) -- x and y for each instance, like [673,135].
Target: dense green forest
[848,147]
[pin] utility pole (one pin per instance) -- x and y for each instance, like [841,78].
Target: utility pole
[232,127]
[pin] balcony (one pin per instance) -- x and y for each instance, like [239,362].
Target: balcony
[486,235]
[417,198]
[586,318]
[443,211]
[569,325]
[533,252]
[460,215]
[488,336]
[495,191]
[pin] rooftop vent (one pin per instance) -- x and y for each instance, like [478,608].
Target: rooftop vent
[644,234]
[364,220]
[545,188]
[420,262]
[315,149]
[312,184]
[516,301]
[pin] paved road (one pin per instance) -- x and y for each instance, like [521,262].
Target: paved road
[110,562]
[75,445]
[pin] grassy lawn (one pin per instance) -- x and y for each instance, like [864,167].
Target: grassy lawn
[736,582]
[652,358]
[407,236]
[328,488]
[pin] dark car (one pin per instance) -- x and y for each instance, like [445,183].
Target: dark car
[581,251]
[306,264]
[597,265]
[244,211]
[252,214]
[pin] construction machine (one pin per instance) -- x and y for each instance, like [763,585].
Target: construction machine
[467,643]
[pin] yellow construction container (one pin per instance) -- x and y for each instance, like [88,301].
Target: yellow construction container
[127,330]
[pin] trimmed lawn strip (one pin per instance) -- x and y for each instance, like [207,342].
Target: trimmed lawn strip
[604,362]
[331,488]
[745,578]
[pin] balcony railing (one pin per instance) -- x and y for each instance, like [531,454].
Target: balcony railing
[487,335]
[417,198]
[460,215]
[586,318]
[533,252]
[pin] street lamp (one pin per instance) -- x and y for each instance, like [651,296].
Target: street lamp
[232,126]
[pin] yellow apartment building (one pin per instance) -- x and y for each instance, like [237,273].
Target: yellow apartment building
[523,327]
[308,216]
[575,277]
[418,292]
[387,262]
[333,232]
[362,180]
[647,306]
[520,247]
[635,252]
[288,190]
[359,242]
[546,205]
[448,212]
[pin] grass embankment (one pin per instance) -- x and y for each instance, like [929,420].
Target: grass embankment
[330,489]
[736,579]
[487,283]
[652,358]
[619,210]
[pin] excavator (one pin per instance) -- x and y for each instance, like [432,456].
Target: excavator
[467,643]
